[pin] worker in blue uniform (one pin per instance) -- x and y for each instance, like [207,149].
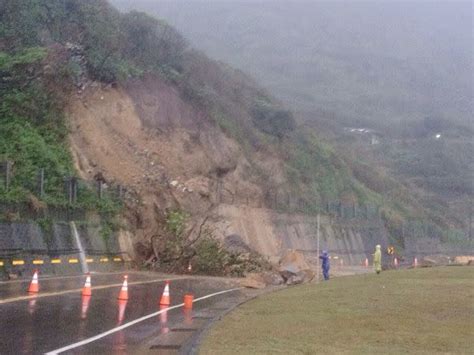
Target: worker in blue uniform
[325,264]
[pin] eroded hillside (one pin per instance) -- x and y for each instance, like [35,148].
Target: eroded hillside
[147,138]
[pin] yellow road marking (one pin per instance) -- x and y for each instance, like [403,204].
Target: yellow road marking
[59,293]
[55,261]
[117,259]
[104,260]
[1,263]
[18,262]
[89,260]
[73,261]
[38,262]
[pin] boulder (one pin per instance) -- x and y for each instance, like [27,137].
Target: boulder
[435,260]
[294,269]
[308,275]
[235,244]
[296,279]
[200,185]
[272,278]
[293,261]
[464,259]
[253,280]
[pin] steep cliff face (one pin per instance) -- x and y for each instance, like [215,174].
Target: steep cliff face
[145,137]
[272,233]
[171,156]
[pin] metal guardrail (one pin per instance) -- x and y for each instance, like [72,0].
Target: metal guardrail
[17,262]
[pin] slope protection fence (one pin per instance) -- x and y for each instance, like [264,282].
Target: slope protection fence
[76,195]
[366,218]
[68,199]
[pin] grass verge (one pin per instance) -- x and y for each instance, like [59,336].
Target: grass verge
[423,311]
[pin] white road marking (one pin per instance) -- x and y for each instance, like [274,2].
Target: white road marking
[129,324]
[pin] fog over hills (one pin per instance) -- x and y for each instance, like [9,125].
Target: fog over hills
[400,68]
[376,63]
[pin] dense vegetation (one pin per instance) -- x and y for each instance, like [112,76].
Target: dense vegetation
[37,74]
[203,252]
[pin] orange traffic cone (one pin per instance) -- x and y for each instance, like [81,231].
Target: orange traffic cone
[34,285]
[86,290]
[123,295]
[188,301]
[165,297]
[366,262]
[415,262]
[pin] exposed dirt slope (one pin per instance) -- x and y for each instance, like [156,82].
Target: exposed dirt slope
[171,155]
[148,139]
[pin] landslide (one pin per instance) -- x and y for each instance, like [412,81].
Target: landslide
[181,132]
[145,137]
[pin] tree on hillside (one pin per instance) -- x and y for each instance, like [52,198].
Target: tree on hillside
[272,120]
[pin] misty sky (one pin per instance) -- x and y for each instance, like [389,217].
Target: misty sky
[375,59]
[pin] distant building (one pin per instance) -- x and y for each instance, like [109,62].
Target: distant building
[367,134]
[374,139]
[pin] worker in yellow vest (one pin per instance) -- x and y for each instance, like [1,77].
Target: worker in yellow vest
[378,259]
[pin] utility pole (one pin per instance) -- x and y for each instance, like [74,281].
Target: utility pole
[8,166]
[41,182]
[99,189]
[470,222]
[317,245]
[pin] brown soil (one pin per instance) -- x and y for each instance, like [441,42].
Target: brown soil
[149,140]
[144,136]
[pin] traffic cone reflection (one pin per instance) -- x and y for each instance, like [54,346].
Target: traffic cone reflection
[415,262]
[164,319]
[188,316]
[165,297]
[395,262]
[85,306]
[366,262]
[123,295]
[34,285]
[86,290]
[122,305]
[32,305]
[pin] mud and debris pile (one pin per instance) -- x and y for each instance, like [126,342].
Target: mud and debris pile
[293,269]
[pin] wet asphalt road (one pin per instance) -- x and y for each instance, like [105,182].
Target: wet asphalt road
[48,323]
